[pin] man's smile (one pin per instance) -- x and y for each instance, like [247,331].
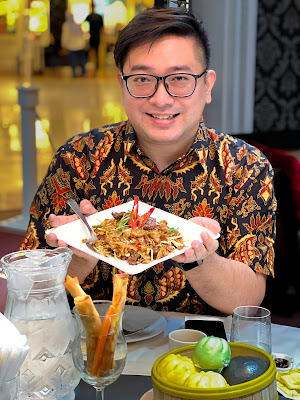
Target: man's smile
[165,116]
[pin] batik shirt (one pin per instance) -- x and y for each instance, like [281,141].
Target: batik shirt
[221,177]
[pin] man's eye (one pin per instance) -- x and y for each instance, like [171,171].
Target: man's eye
[180,78]
[141,79]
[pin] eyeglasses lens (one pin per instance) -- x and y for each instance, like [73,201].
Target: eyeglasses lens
[176,84]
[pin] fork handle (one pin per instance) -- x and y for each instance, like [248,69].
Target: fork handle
[75,207]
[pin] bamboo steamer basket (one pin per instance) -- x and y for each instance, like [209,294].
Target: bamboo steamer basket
[262,388]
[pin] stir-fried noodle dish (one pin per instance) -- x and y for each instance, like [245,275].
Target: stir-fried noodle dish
[117,237]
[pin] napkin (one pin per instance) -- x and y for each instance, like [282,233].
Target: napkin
[13,349]
[288,383]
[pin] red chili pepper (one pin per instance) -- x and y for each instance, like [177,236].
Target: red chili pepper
[144,218]
[134,212]
[135,222]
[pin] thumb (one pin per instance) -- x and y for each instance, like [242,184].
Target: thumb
[208,223]
[87,208]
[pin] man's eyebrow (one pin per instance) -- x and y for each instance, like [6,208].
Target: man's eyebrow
[140,67]
[180,68]
[175,68]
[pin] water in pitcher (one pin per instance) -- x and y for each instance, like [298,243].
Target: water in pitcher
[48,370]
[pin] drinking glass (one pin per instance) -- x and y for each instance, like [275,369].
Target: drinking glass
[100,349]
[252,325]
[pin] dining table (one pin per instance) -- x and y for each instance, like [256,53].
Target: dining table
[141,355]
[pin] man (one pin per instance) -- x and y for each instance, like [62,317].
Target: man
[73,41]
[96,26]
[163,155]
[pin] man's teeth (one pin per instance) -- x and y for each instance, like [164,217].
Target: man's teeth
[164,116]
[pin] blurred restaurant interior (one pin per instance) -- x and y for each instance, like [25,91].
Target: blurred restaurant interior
[255,52]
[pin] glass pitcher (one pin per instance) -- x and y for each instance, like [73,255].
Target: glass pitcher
[37,305]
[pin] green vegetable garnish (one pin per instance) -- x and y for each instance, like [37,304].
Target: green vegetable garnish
[124,221]
[173,230]
[96,226]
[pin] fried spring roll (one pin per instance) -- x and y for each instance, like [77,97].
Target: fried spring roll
[88,314]
[72,285]
[92,324]
[120,282]
[104,357]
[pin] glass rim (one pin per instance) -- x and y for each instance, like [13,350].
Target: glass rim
[9,259]
[108,302]
[236,312]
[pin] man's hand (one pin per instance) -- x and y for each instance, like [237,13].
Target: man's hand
[201,250]
[82,264]
[221,282]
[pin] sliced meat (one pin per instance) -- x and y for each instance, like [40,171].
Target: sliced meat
[117,215]
[150,224]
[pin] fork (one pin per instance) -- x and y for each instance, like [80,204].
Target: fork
[92,238]
[128,332]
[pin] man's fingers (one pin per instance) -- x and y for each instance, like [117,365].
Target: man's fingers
[87,208]
[52,240]
[57,220]
[199,250]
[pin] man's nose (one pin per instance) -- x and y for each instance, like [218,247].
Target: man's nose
[161,93]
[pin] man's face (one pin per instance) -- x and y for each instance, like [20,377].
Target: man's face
[163,119]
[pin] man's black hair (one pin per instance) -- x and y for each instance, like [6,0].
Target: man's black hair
[153,24]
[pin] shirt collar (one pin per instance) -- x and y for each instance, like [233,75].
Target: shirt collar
[200,145]
[129,139]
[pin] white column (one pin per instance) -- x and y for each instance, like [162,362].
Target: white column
[28,100]
[231,27]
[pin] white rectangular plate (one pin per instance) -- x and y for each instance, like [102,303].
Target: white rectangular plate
[74,232]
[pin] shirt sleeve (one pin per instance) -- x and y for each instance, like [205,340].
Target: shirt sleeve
[64,179]
[249,232]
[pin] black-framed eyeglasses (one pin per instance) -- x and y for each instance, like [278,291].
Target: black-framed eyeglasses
[177,85]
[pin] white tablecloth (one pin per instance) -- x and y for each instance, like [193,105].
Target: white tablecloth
[142,355]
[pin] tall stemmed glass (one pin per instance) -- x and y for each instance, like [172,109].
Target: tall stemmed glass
[100,349]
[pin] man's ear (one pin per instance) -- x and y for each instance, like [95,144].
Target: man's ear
[209,83]
[120,80]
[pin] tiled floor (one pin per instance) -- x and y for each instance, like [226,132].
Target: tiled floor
[67,106]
